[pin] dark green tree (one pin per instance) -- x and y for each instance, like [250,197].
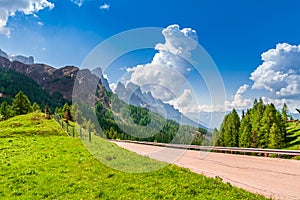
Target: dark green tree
[5,110]
[21,104]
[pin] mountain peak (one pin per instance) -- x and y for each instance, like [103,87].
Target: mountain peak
[23,59]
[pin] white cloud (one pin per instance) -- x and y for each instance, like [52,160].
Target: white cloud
[78,2]
[113,86]
[166,76]
[280,71]
[105,7]
[238,102]
[40,23]
[8,8]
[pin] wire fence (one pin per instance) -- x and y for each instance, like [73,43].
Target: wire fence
[72,130]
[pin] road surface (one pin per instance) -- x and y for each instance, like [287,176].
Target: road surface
[271,177]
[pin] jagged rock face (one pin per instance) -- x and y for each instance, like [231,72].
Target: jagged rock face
[49,78]
[132,94]
[26,60]
[23,59]
[61,80]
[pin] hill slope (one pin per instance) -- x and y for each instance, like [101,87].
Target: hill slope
[54,166]
[11,82]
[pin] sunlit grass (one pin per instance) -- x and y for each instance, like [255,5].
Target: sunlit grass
[43,163]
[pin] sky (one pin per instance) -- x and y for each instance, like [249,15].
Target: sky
[254,44]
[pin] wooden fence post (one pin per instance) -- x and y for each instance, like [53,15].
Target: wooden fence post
[90,136]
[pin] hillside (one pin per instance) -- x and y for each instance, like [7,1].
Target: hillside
[49,78]
[11,82]
[38,161]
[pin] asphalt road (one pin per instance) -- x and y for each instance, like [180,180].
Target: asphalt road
[271,177]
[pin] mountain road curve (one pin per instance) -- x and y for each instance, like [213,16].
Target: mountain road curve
[271,177]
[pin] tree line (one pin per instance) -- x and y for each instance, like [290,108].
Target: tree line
[22,105]
[118,121]
[262,126]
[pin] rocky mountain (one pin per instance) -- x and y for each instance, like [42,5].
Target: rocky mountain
[11,82]
[132,94]
[23,59]
[61,83]
[49,78]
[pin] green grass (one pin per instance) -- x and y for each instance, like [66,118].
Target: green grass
[38,161]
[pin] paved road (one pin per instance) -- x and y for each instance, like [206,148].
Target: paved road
[271,177]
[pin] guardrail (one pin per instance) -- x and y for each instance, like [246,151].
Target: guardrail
[265,152]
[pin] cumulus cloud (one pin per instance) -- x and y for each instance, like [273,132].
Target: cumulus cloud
[166,76]
[280,71]
[8,8]
[238,102]
[104,7]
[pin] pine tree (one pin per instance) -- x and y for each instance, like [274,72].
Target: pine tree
[221,141]
[284,122]
[284,112]
[36,107]
[229,131]
[270,116]
[67,113]
[256,114]
[275,137]
[21,104]
[245,138]
[5,110]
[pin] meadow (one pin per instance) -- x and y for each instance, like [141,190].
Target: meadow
[39,161]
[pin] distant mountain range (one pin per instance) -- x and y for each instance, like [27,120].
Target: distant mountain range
[23,59]
[132,94]
[60,83]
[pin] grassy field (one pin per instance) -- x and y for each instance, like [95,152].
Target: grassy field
[38,160]
[293,131]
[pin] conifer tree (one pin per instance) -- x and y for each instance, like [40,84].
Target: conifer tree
[21,104]
[245,134]
[35,107]
[5,110]
[67,113]
[256,114]
[275,137]
[229,131]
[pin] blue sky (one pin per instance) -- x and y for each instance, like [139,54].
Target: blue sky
[234,33]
